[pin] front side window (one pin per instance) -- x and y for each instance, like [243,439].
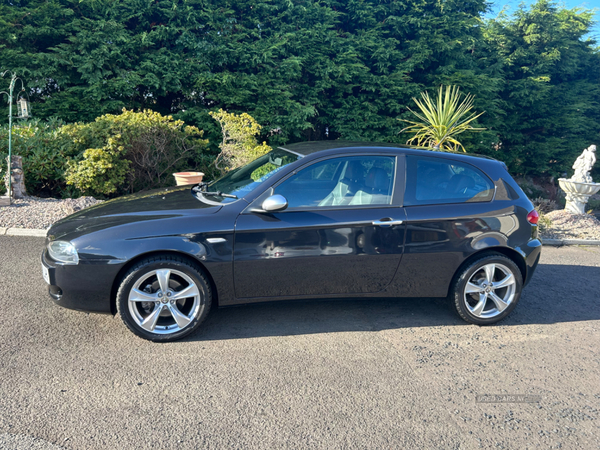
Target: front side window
[344,182]
[432,180]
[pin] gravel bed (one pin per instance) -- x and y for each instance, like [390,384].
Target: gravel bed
[571,226]
[40,213]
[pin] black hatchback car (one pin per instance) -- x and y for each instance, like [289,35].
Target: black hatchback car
[311,220]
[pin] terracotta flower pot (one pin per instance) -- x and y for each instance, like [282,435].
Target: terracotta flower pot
[185,178]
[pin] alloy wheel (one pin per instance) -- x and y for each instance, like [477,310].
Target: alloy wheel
[165,301]
[490,290]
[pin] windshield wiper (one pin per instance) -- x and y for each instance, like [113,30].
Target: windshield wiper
[200,186]
[218,194]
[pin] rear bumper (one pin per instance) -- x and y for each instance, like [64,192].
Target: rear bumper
[83,287]
[532,251]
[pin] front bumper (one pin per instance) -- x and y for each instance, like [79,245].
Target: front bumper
[83,287]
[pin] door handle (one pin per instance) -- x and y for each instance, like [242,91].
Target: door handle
[387,223]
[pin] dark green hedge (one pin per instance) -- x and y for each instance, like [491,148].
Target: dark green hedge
[308,69]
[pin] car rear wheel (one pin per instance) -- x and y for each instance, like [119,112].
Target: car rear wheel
[164,298]
[487,290]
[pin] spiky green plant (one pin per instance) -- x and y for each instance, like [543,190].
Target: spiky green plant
[442,120]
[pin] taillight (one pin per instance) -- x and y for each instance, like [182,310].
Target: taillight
[533,217]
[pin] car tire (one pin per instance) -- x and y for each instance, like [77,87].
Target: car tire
[487,289]
[159,316]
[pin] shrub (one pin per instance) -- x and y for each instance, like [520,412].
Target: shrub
[532,189]
[544,205]
[132,151]
[593,204]
[114,154]
[544,222]
[102,170]
[45,150]
[239,145]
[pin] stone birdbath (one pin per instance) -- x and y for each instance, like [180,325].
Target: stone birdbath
[580,187]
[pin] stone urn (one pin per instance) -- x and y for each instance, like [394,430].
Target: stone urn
[578,194]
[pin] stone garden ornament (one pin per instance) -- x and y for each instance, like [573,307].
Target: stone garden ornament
[583,165]
[580,187]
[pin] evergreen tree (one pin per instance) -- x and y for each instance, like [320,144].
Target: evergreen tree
[551,89]
[316,69]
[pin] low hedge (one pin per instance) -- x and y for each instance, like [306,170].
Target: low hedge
[114,155]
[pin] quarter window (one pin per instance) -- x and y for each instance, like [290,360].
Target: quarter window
[344,182]
[432,181]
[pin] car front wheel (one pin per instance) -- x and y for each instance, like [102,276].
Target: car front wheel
[487,290]
[164,298]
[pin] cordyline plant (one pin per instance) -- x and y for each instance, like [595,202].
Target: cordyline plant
[442,120]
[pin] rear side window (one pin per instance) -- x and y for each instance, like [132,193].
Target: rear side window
[432,181]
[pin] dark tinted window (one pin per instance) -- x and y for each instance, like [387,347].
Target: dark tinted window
[350,181]
[433,181]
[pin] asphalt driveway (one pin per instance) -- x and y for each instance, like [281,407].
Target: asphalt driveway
[336,374]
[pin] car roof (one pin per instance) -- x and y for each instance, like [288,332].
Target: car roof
[312,147]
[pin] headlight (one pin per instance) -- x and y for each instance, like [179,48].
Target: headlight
[63,251]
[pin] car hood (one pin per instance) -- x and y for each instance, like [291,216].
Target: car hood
[140,207]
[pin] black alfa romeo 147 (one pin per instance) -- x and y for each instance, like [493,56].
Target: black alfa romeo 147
[309,220]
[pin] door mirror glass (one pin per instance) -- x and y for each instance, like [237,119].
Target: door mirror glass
[275,203]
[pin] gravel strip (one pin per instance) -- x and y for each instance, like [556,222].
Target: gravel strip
[571,226]
[40,213]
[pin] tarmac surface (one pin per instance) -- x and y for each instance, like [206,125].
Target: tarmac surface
[372,373]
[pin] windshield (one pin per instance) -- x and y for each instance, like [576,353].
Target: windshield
[242,180]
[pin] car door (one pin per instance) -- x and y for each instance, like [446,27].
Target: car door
[449,215]
[341,233]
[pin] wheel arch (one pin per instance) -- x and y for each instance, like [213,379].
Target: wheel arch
[121,274]
[510,253]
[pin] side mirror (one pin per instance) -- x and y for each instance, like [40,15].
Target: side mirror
[275,203]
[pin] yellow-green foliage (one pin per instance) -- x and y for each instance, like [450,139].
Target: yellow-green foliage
[239,145]
[442,120]
[130,151]
[262,171]
[544,222]
[270,167]
[102,170]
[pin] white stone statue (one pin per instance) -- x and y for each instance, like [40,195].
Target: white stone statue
[584,164]
[580,187]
